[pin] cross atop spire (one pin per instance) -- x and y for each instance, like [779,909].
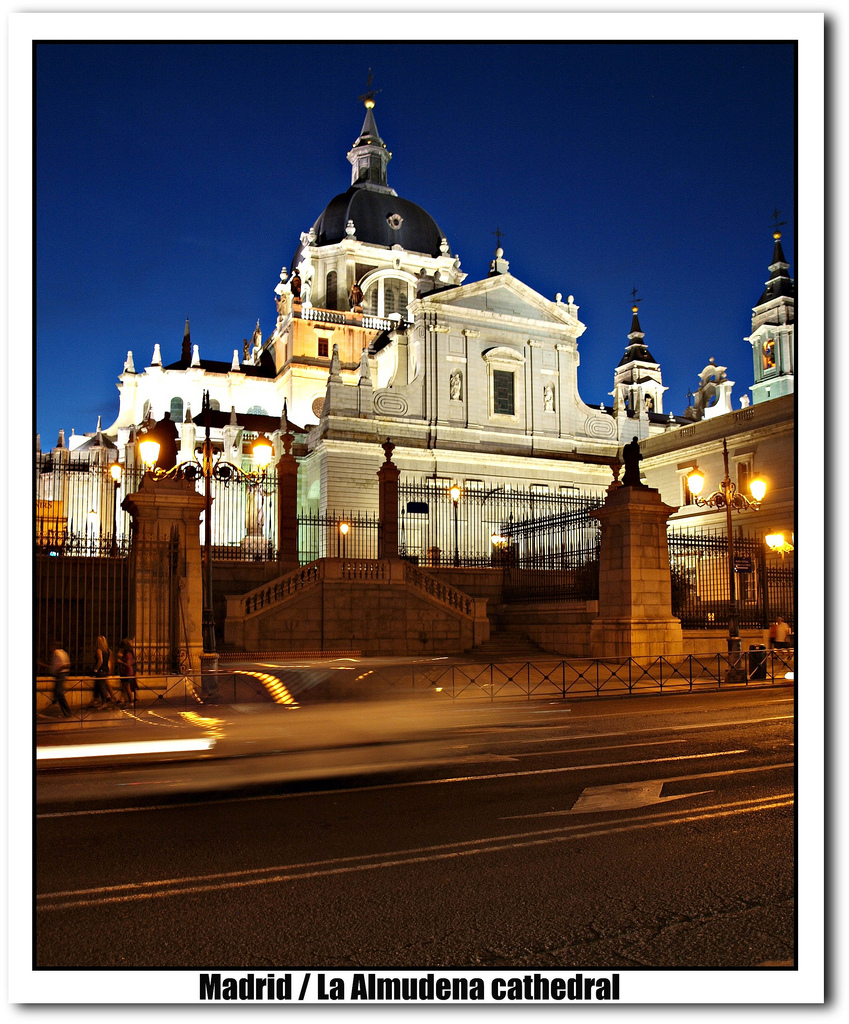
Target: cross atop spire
[369,95]
[776,223]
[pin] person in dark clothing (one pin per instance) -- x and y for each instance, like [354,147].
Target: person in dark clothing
[60,665]
[127,672]
[102,690]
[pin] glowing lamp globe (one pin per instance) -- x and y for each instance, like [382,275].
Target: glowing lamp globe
[696,481]
[758,488]
[149,452]
[262,451]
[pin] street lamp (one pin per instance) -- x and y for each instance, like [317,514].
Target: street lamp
[729,498]
[343,532]
[455,497]
[115,471]
[209,465]
[776,542]
[92,522]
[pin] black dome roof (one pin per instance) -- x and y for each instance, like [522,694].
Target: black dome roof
[374,213]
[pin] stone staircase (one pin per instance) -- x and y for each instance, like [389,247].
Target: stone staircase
[509,646]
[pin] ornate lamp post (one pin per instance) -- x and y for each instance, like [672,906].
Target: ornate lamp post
[728,497]
[455,497]
[343,533]
[115,471]
[209,466]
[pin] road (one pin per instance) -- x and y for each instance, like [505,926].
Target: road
[654,831]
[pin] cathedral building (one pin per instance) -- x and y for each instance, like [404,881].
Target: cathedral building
[380,334]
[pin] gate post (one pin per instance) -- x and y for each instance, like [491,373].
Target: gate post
[387,484]
[162,511]
[287,507]
[635,586]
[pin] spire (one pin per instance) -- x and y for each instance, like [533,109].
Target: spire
[780,284]
[186,354]
[636,350]
[156,359]
[195,355]
[369,156]
[128,363]
[335,365]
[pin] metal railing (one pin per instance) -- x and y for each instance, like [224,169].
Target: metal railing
[556,678]
[699,566]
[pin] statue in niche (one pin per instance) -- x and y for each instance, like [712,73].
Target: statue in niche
[356,297]
[413,353]
[455,385]
[548,397]
[649,403]
[631,457]
[295,285]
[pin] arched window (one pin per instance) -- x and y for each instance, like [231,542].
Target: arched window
[330,291]
[387,295]
[177,410]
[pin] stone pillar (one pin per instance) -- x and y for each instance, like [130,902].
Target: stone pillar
[387,485]
[635,587]
[287,507]
[165,511]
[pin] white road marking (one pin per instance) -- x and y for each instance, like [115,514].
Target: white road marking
[420,782]
[195,884]
[627,795]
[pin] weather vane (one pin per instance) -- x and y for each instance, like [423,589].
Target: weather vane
[776,223]
[634,299]
[369,95]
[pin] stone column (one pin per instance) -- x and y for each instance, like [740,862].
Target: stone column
[635,587]
[165,511]
[387,484]
[287,507]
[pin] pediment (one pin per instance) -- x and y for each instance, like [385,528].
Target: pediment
[502,295]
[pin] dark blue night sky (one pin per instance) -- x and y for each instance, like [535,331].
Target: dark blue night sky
[174,180]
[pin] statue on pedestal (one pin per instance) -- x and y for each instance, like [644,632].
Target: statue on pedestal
[631,457]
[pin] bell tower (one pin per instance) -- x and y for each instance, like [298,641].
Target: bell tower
[773,332]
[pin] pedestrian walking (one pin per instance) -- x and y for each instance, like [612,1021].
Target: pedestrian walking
[60,666]
[102,691]
[127,672]
[782,631]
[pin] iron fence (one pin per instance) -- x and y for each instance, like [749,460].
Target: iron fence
[337,535]
[487,526]
[78,597]
[764,582]
[78,506]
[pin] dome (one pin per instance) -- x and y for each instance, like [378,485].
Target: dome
[380,218]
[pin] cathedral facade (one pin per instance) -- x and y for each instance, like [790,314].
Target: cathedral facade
[379,334]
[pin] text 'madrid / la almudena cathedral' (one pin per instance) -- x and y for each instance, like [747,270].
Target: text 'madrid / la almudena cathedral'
[381,334]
